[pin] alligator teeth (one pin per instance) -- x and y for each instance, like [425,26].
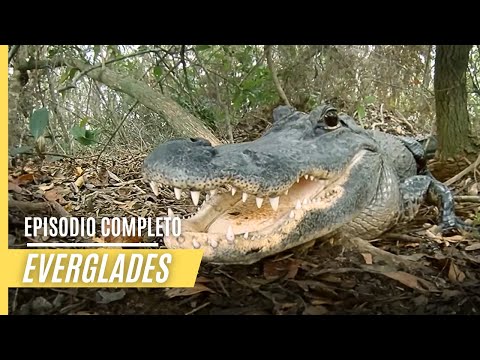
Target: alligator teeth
[244,197]
[170,213]
[234,190]
[230,234]
[306,177]
[178,193]
[274,202]
[305,201]
[195,196]
[213,192]
[298,205]
[245,236]
[292,214]
[312,178]
[213,243]
[298,180]
[195,243]
[286,192]
[207,197]
[154,187]
[259,202]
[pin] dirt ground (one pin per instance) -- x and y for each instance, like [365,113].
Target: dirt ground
[323,279]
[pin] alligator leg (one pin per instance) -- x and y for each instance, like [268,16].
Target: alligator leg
[425,188]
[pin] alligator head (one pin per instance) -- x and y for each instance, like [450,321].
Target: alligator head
[307,176]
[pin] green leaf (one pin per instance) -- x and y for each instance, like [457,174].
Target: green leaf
[203,47]
[84,122]
[157,72]
[361,111]
[78,131]
[20,150]
[38,122]
[369,100]
[84,136]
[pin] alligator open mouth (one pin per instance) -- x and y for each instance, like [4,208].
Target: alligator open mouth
[234,226]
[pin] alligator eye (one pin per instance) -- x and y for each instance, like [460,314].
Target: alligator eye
[331,120]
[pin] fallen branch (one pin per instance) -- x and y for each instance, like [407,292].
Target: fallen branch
[468,198]
[463,172]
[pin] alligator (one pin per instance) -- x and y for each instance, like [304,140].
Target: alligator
[320,173]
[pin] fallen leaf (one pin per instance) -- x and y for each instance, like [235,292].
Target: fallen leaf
[78,171]
[454,238]
[14,187]
[412,245]
[473,247]
[113,176]
[198,288]
[368,258]
[473,190]
[106,297]
[118,239]
[321,301]
[315,310]
[411,281]
[24,179]
[276,269]
[455,274]
[80,181]
[45,187]
[52,195]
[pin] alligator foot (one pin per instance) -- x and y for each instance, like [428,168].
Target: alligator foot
[425,188]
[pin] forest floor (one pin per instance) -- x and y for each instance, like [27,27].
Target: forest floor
[326,278]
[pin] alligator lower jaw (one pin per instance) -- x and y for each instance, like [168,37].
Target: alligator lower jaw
[233,228]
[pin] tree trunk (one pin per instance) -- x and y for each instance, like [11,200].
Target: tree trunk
[453,123]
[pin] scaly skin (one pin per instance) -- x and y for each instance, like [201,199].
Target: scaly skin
[364,182]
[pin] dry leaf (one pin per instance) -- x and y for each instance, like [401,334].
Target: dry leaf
[113,176]
[52,195]
[119,239]
[368,258]
[473,247]
[473,190]
[455,274]
[14,187]
[78,171]
[198,288]
[315,310]
[45,187]
[80,182]
[24,179]
[411,281]
[276,269]
[454,238]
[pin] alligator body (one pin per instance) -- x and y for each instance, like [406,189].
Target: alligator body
[309,176]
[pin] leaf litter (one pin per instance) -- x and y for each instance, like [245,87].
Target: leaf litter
[321,279]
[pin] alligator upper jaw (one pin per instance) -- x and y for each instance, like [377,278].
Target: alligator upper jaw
[232,227]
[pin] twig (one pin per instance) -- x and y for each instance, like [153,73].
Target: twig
[268,54]
[12,52]
[116,131]
[198,308]
[403,237]
[463,172]
[468,198]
